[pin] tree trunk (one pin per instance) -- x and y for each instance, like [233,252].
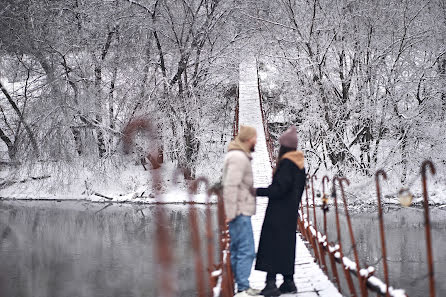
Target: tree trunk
[9,145]
[22,119]
[75,130]
[191,150]
[98,100]
[111,110]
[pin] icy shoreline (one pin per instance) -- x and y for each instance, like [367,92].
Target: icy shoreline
[197,200]
[106,184]
[121,180]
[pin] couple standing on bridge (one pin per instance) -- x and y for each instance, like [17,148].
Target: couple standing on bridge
[277,246]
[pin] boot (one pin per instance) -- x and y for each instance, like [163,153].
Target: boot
[270,289]
[288,285]
[248,293]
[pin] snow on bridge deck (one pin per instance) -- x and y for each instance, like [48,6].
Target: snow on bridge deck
[309,278]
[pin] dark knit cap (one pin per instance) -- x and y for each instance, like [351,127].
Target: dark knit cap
[289,138]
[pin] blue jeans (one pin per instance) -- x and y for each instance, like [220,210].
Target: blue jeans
[242,250]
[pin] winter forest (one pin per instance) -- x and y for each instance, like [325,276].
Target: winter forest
[363,81]
[87,210]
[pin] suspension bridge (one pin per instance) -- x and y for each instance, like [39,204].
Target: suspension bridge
[309,277]
[321,267]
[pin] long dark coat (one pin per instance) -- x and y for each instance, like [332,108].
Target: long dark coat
[277,246]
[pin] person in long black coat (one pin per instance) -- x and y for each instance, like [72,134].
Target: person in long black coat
[277,246]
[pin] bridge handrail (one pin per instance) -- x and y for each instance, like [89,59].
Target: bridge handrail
[269,144]
[365,275]
[236,119]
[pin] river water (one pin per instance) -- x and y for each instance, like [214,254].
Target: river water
[51,249]
[406,245]
[73,249]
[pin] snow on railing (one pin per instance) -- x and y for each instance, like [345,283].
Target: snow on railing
[348,266]
[320,246]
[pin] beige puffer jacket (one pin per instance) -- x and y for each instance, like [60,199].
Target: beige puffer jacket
[237,181]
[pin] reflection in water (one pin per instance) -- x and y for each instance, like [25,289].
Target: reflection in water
[76,249]
[406,246]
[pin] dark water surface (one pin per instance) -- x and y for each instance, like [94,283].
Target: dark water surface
[406,245]
[74,249]
[78,249]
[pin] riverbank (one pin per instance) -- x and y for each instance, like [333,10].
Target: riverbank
[124,180]
[113,182]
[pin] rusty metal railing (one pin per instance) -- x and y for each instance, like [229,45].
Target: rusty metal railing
[164,254]
[269,143]
[430,257]
[235,123]
[365,280]
[219,281]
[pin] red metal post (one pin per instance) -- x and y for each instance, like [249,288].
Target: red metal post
[324,202]
[338,230]
[307,202]
[430,256]
[381,228]
[236,120]
[318,244]
[210,237]
[196,246]
[334,270]
[362,281]
[225,259]
[310,236]
[313,177]
[325,209]
[300,222]
[164,254]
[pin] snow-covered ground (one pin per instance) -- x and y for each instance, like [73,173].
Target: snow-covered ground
[106,183]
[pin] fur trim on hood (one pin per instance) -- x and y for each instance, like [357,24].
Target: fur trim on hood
[237,145]
[297,157]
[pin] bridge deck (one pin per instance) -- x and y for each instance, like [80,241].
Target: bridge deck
[309,278]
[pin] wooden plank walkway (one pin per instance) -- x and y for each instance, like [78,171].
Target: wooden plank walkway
[309,278]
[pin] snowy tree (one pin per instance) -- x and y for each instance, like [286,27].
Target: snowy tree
[74,73]
[363,81]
